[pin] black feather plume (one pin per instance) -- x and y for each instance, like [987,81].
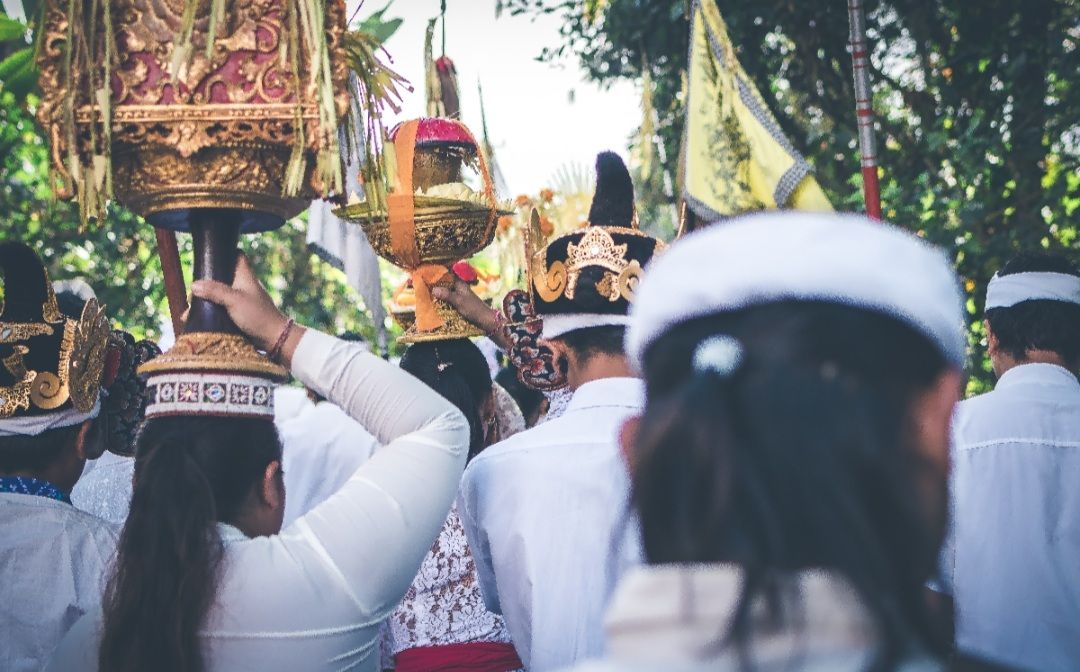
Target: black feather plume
[25,283]
[613,202]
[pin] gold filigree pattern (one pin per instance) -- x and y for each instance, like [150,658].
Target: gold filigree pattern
[213,351]
[50,310]
[17,396]
[13,332]
[444,235]
[86,358]
[596,248]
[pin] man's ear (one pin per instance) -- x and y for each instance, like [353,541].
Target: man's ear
[627,438]
[993,345]
[85,448]
[932,412]
[272,491]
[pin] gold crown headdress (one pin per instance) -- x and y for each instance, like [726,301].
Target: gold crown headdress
[46,360]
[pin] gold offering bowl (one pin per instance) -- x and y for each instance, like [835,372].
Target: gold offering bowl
[447,231]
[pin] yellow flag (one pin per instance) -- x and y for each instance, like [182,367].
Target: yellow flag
[735,157]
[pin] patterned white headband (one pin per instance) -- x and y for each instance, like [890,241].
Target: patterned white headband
[1005,291]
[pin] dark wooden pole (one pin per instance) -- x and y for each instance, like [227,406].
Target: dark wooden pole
[215,233]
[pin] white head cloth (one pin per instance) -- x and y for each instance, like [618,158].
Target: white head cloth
[777,256]
[557,325]
[1005,291]
[32,425]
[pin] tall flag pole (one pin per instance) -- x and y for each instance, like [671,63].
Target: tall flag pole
[864,108]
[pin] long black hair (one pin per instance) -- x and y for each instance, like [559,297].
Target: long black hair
[799,458]
[190,473]
[457,370]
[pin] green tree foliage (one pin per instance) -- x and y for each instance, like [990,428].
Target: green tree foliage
[978,107]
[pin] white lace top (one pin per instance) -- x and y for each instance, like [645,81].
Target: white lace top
[444,604]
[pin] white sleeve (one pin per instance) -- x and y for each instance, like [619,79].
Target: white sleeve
[479,546]
[377,528]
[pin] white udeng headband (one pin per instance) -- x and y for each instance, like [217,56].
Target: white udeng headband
[1005,291]
[558,325]
[33,425]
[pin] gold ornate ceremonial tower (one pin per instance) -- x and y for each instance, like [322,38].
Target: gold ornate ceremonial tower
[214,117]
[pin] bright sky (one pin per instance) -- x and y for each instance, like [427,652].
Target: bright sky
[540,116]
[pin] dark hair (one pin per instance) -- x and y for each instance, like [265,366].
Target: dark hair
[528,399]
[1038,325]
[798,459]
[459,372]
[592,341]
[35,453]
[190,473]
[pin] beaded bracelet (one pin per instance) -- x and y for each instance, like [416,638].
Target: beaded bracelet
[500,321]
[275,351]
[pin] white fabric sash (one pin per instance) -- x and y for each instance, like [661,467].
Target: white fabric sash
[1005,291]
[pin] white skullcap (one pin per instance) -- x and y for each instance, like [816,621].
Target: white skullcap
[1006,291]
[776,256]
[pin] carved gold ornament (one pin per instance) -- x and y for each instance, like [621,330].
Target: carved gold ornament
[213,351]
[87,356]
[50,310]
[596,248]
[627,282]
[247,123]
[551,283]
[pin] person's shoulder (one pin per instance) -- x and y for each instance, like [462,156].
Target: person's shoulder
[98,531]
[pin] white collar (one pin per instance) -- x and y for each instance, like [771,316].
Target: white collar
[679,614]
[606,392]
[230,533]
[1037,374]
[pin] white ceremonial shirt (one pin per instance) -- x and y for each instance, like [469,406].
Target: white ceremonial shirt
[321,448]
[105,488]
[1014,559]
[546,516]
[54,560]
[674,618]
[313,596]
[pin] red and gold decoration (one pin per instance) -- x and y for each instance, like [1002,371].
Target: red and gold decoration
[215,117]
[427,231]
[172,108]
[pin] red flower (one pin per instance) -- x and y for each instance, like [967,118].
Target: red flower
[466,272]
